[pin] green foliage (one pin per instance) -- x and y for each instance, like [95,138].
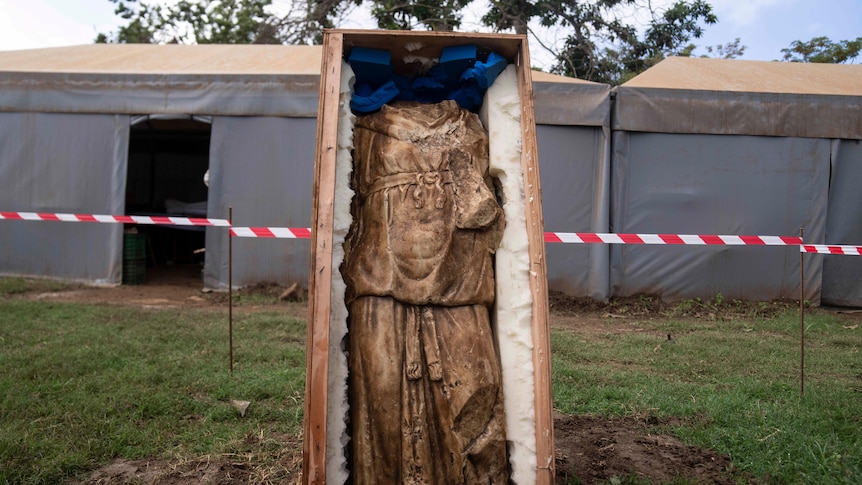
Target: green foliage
[730,50]
[406,15]
[143,22]
[512,14]
[734,384]
[599,45]
[676,26]
[823,50]
[83,384]
[224,21]
[199,21]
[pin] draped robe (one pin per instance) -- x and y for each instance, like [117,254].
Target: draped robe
[424,385]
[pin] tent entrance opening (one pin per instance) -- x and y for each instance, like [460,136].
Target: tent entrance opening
[168,161]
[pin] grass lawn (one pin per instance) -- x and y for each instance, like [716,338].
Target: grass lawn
[84,384]
[733,384]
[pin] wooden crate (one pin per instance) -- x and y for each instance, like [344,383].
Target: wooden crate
[337,45]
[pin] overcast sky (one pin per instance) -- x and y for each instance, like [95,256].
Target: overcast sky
[764,26]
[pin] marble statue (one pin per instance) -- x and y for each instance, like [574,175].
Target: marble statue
[424,385]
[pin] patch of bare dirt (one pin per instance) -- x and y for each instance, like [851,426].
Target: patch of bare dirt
[170,287]
[645,306]
[181,286]
[592,449]
[626,314]
[222,470]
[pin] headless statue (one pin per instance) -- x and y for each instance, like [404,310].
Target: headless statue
[425,393]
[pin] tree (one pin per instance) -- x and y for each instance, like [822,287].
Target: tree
[511,14]
[668,34]
[597,41]
[143,24]
[730,50]
[823,50]
[599,45]
[406,14]
[225,21]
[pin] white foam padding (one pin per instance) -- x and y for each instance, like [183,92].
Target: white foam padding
[337,406]
[501,114]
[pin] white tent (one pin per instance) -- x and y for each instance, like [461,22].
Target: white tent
[70,142]
[707,146]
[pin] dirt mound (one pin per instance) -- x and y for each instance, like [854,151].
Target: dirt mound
[592,449]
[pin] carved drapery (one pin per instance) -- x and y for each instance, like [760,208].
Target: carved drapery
[425,393]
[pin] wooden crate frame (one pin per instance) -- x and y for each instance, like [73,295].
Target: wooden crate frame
[336,44]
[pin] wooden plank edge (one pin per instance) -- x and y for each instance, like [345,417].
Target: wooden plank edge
[538,277]
[422,34]
[320,277]
[427,43]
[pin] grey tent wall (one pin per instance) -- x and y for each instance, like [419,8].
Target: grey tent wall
[574,166]
[573,135]
[68,163]
[842,275]
[180,94]
[717,184]
[263,168]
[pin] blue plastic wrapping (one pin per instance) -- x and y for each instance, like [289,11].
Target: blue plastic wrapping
[364,100]
[459,75]
[371,66]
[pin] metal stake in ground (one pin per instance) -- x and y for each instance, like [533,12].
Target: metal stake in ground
[801,320]
[230,288]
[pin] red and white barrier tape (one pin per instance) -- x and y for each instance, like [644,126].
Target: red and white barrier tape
[830,249]
[272,232]
[166,220]
[696,239]
[550,237]
[575,237]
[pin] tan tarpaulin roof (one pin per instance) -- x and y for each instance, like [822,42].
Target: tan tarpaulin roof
[268,80]
[171,59]
[697,95]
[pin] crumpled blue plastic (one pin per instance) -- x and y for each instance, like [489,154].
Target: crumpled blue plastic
[483,74]
[459,76]
[476,80]
[367,100]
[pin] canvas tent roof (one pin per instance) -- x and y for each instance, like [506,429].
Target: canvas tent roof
[724,96]
[174,79]
[564,100]
[172,59]
[264,80]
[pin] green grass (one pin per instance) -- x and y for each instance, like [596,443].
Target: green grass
[735,384]
[83,384]
[12,286]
